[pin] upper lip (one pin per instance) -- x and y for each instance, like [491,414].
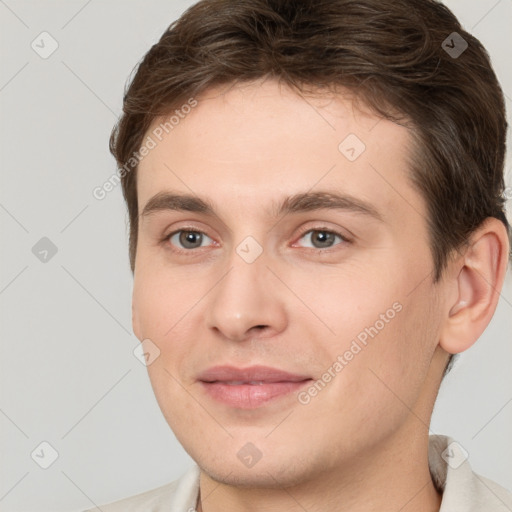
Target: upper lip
[250,374]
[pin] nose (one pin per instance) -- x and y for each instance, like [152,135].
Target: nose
[247,302]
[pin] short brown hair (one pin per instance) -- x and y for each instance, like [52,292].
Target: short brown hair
[393,54]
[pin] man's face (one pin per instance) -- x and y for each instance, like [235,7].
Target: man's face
[298,290]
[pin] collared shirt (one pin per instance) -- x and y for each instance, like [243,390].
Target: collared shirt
[462,489]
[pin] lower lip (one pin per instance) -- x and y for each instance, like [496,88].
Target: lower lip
[250,396]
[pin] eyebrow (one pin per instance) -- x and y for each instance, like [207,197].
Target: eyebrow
[297,203]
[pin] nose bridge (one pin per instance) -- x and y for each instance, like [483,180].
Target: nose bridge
[246,296]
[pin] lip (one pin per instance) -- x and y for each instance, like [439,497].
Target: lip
[248,388]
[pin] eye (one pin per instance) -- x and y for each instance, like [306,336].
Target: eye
[323,238]
[187,239]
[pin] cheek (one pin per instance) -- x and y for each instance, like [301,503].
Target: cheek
[356,305]
[385,336]
[399,360]
[162,303]
[165,311]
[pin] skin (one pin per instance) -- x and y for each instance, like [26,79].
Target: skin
[300,304]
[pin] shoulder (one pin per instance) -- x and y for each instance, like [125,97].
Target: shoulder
[180,494]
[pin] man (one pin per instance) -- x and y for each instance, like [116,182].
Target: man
[316,202]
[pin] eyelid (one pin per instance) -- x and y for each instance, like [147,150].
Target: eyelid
[327,229]
[185,227]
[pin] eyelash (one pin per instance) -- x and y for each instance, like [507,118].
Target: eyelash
[191,229]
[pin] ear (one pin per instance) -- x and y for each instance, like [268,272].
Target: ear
[475,282]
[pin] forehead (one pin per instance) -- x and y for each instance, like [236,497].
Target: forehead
[250,145]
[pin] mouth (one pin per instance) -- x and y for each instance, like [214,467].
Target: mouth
[249,388]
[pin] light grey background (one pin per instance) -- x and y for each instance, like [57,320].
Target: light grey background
[68,373]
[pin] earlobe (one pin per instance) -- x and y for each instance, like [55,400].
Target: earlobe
[478,284]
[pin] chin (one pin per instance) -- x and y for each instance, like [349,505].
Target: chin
[236,477]
[269,474]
